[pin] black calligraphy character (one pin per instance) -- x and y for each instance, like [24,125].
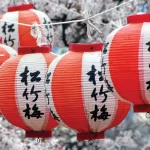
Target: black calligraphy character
[47,78]
[92,74]
[148,43]
[24,75]
[101,77]
[34,92]
[9,40]
[27,111]
[95,113]
[10,28]
[47,27]
[49,36]
[54,115]
[35,77]
[46,22]
[4,28]
[103,65]
[94,94]
[148,87]
[103,93]
[25,94]
[104,115]
[47,96]
[105,48]
[110,88]
[36,113]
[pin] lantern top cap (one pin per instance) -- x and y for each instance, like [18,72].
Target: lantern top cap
[22,50]
[139,18]
[20,7]
[92,47]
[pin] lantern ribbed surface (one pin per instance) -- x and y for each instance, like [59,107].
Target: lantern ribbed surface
[126,62]
[5,53]
[15,34]
[22,93]
[78,97]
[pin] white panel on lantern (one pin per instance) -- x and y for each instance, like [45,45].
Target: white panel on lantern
[100,109]
[47,30]
[144,62]
[33,63]
[10,50]
[106,60]
[9,31]
[51,105]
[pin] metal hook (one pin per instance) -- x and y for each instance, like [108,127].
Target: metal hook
[148,115]
[91,142]
[38,140]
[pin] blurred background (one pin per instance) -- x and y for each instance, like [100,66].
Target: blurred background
[134,132]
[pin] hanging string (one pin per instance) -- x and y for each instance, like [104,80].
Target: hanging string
[86,15]
[36,33]
[73,21]
[118,22]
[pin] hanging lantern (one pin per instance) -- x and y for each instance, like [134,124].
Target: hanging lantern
[78,98]
[6,52]
[126,62]
[15,35]
[22,89]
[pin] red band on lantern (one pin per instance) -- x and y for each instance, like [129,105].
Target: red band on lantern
[90,136]
[141,108]
[85,47]
[38,134]
[20,7]
[37,49]
[140,18]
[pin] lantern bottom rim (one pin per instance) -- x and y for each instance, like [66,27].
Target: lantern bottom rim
[90,136]
[38,134]
[141,108]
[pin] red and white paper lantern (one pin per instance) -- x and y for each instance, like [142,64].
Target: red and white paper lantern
[126,62]
[15,35]
[78,97]
[22,96]
[5,53]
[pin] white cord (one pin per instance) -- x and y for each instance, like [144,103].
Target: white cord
[36,33]
[73,21]
[86,14]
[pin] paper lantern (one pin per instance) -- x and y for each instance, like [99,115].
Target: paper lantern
[78,98]
[126,62]
[5,53]
[14,35]
[22,96]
